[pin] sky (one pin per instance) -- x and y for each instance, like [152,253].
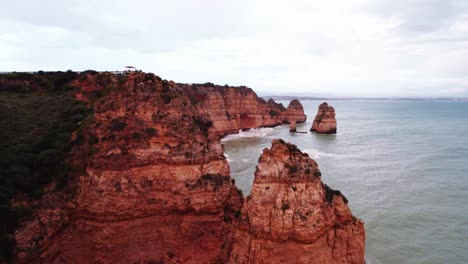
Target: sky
[366,48]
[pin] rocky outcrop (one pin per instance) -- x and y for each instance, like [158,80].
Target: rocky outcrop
[325,121]
[292,217]
[155,186]
[292,126]
[236,108]
[150,184]
[295,112]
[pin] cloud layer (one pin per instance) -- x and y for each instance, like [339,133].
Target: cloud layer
[348,48]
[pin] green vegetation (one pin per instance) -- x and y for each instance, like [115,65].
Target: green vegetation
[117,124]
[36,122]
[293,169]
[203,124]
[50,81]
[329,193]
[150,131]
[216,180]
[274,113]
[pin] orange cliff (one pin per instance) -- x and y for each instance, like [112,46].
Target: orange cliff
[234,108]
[325,121]
[292,217]
[153,184]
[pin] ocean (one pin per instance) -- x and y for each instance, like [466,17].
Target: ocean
[403,165]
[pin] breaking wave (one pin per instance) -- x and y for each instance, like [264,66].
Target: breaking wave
[316,154]
[254,132]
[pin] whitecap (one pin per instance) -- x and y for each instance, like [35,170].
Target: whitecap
[316,154]
[227,157]
[254,132]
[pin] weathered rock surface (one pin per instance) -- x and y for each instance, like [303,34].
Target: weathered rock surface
[152,185]
[292,126]
[155,186]
[325,121]
[292,217]
[234,108]
[295,112]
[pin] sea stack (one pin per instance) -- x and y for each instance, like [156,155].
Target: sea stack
[291,216]
[295,112]
[292,126]
[152,185]
[325,121]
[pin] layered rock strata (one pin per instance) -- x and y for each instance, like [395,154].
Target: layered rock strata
[238,108]
[292,217]
[325,121]
[155,186]
[295,112]
[151,185]
[292,126]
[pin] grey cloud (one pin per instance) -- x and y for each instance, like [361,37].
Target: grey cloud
[337,47]
[148,26]
[422,16]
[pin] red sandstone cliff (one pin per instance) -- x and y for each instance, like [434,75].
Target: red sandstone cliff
[153,185]
[292,217]
[295,112]
[325,121]
[234,108]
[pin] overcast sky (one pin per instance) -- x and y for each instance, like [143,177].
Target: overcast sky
[347,48]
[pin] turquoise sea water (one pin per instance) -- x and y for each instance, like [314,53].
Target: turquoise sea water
[403,165]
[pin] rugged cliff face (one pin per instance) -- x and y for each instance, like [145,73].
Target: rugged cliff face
[151,183]
[234,108]
[292,217]
[325,121]
[295,112]
[156,186]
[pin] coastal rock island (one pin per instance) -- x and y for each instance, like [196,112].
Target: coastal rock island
[295,111]
[291,216]
[149,183]
[325,121]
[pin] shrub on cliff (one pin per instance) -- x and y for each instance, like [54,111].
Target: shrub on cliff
[274,113]
[34,141]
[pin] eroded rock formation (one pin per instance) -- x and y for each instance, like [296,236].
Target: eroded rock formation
[151,184]
[292,217]
[325,121]
[156,186]
[292,126]
[295,111]
[234,108]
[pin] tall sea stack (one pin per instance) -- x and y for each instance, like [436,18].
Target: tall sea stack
[291,216]
[325,121]
[295,112]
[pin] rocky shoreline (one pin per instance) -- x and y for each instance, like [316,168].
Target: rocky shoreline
[155,187]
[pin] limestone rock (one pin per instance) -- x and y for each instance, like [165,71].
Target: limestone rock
[151,184]
[292,126]
[154,186]
[292,217]
[295,112]
[325,121]
[239,108]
